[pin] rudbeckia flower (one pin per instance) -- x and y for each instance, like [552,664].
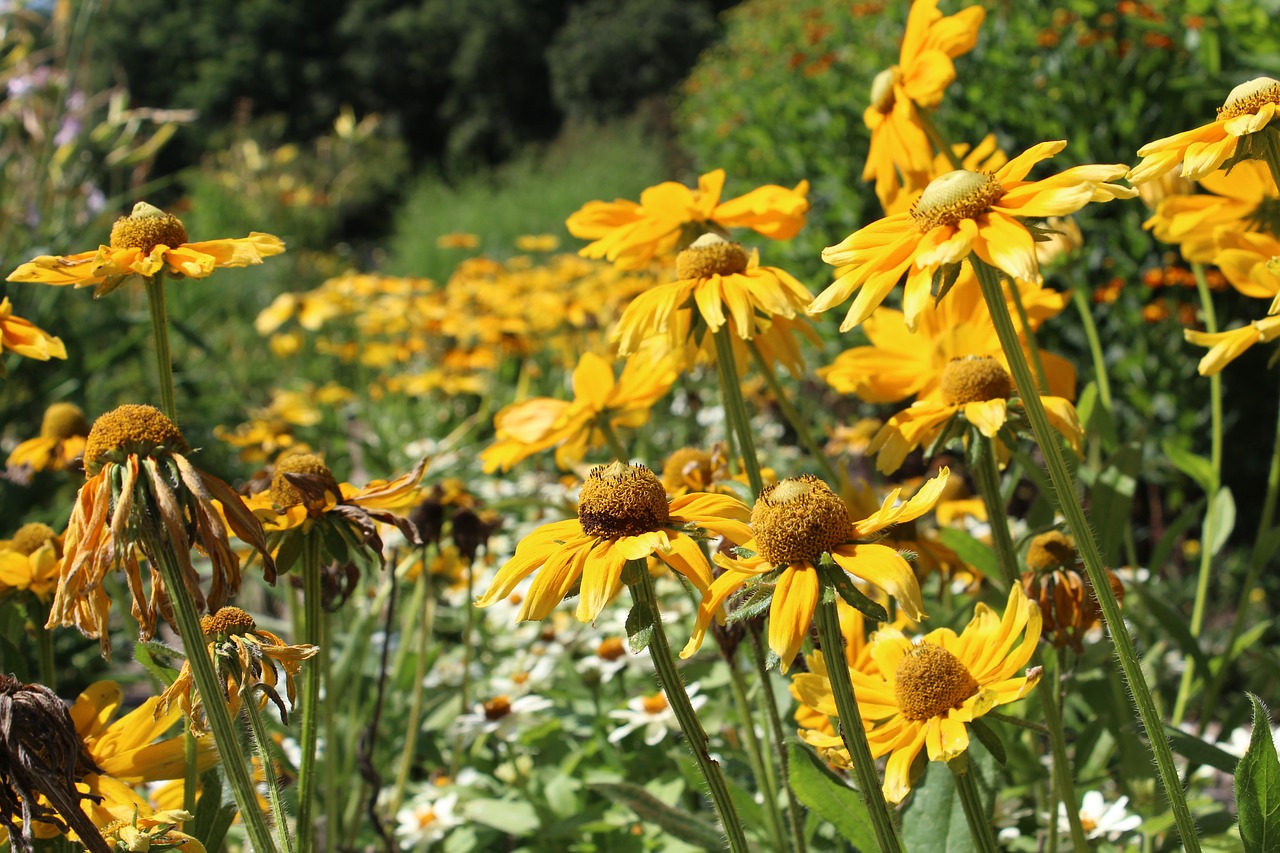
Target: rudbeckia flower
[1241,200]
[922,75]
[1248,261]
[977,387]
[1226,347]
[1248,109]
[630,234]
[135,829]
[29,561]
[1068,605]
[143,494]
[25,338]
[959,213]
[921,694]
[63,430]
[798,522]
[146,242]
[692,469]
[725,283]
[623,514]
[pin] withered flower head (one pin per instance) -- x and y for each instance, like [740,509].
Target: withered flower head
[1066,597]
[472,529]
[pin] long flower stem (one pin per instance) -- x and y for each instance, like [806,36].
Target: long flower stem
[425,629]
[464,689]
[851,730]
[640,582]
[211,688]
[312,633]
[1065,497]
[987,477]
[160,334]
[935,136]
[1081,301]
[48,667]
[735,408]
[1063,783]
[979,821]
[764,778]
[611,438]
[799,424]
[1029,335]
[258,727]
[776,736]
[1215,462]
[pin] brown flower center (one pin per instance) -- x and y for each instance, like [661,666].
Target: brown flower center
[1249,96]
[32,537]
[130,430]
[687,467]
[710,255]
[975,379]
[954,196]
[497,707]
[622,500]
[610,648]
[930,681]
[283,493]
[882,96]
[147,227]
[62,421]
[228,621]
[797,519]
[1050,550]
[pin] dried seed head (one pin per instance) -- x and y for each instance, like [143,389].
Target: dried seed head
[710,255]
[622,500]
[954,196]
[147,227]
[975,379]
[227,622]
[930,681]
[797,519]
[130,430]
[1050,550]
[283,493]
[62,421]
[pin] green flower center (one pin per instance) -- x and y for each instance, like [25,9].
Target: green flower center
[954,196]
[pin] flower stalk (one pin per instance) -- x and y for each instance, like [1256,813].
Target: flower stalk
[975,815]
[1063,784]
[426,627]
[793,416]
[312,634]
[262,739]
[735,408]
[982,456]
[1064,497]
[777,737]
[764,776]
[160,334]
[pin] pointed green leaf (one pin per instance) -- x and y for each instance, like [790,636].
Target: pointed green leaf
[935,822]
[1258,787]
[990,738]
[830,798]
[839,579]
[1196,467]
[650,809]
[969,549]
[640,623]
[1219,521]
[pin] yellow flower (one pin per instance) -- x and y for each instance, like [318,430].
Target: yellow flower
[920,695]
[691,469]
[1248,260]
[457,240]
[923,73]
[59,445]
[134,831]
[714,274]
[1248,109]
[25,338]
[630,234]
[795,524]
[978,387]
[959,213]
[537,242]
[1226,347]
[1243,199]
[541,423]
[986,156]
[900,364]
[623,514]
[145,243]
[30,560]
[247,658]
[143,494]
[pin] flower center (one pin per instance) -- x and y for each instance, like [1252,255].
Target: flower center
[655,704]
[62,421]
[32,537]
[798,519]
[610,649]
[954,196]
[1049,550]
[688,467]
[283,493]
[882,89]
[130,430]
[497,707]
[1246,98]
[930,681]
[710,255]
[622,500]
[147,227]
[227,622]
[975,379]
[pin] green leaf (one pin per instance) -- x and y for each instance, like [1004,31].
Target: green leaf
[969,549]
[1247,639]
[935,821]
[839,579]
[1200,751]
[1173,622]
[990,738]
[1196,467]
[1219,521]
[754,604]
[1258,787]
[1111,497]
[142,653]
[830,798]
[290,550]
[650,809]
[513,817]
[640,624]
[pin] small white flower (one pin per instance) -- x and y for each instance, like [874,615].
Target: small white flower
[654,713]
[1099,819]
[502,716]
[426,820]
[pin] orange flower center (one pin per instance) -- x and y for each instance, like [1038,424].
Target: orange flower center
[283,493]
[930,681]
[655,704]
[32,537]
[497,707]
[954,196]
[622,500]
[228,621]
[610,648]
[710,255]
[62,421]
[1051,549]
[1249,96]
[147,227]
[797,519]
[975,379]
[130,429]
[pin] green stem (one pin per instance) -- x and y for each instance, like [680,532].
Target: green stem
[640,582]
[776,735]
[735,408]
[986,476]
[1065,497]
[935,136]
[611,438]
[44,646]
[1081,301]
[333,815]
[851,729]
[464,689]
[1063,782]
[262,737]
[160,334]
[190,772]
[1215,460]
[977,817]
[799,424]
[211,688]
[312,620]
[425,629]
[764,779]
[1029,335]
